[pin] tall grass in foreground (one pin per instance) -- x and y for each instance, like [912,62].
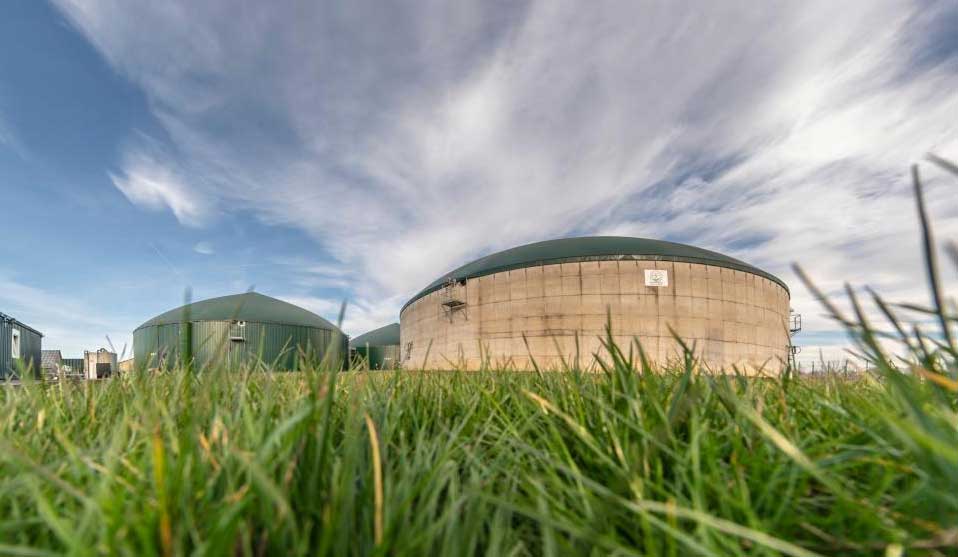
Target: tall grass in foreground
[624,462]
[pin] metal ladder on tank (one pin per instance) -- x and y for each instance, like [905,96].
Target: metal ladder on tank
[794,327]
[451,299]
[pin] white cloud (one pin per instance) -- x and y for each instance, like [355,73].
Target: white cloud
[10,140]
[6,134]
[149,183]
[67,324]
[409,141]
[361,315]
[204,248]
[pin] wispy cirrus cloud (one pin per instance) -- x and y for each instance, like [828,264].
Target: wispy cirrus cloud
[204,248]
[407,140]
[9,138]
[361,315]
[155,184]
[6,134]
[66,320]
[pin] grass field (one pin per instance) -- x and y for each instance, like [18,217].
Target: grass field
[624,462]
[500,464]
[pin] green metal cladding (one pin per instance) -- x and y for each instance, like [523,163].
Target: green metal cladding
[380,347]
[30,347]
[233,331]
[590,248]
[383,336]
[77,365]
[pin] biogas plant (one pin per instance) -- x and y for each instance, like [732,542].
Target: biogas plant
[550,301]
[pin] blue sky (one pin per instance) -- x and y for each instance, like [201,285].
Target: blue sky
[321,151]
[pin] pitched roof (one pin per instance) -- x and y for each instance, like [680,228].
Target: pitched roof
[49,358]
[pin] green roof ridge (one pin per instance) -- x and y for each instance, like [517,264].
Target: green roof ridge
[251,307]
[383,336]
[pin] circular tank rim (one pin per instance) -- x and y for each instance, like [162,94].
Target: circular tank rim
[700,256]
[387,335]
[152,325]
[251,307]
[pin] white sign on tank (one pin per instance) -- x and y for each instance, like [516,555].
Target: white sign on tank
[656,277]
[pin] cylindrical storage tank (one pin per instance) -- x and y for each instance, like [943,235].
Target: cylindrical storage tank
[551,301]
[234,331]
[378,349]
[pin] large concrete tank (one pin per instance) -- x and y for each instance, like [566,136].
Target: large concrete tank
[558,294]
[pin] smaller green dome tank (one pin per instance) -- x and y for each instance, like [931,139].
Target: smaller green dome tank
[235,331]
[377,349]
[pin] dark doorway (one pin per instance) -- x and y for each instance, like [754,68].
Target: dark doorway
[103,370]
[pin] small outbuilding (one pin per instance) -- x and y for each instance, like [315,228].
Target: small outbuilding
[20,350]
[99,364]
[235,331]
[377,349]
[73,368]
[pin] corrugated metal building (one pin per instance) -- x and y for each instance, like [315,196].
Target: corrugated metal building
[19,348]
[378,349]
[232,331]
[73,367]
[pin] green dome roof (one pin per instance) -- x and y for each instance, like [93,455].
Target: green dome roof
[383,336]
[251,307]
[590,248]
